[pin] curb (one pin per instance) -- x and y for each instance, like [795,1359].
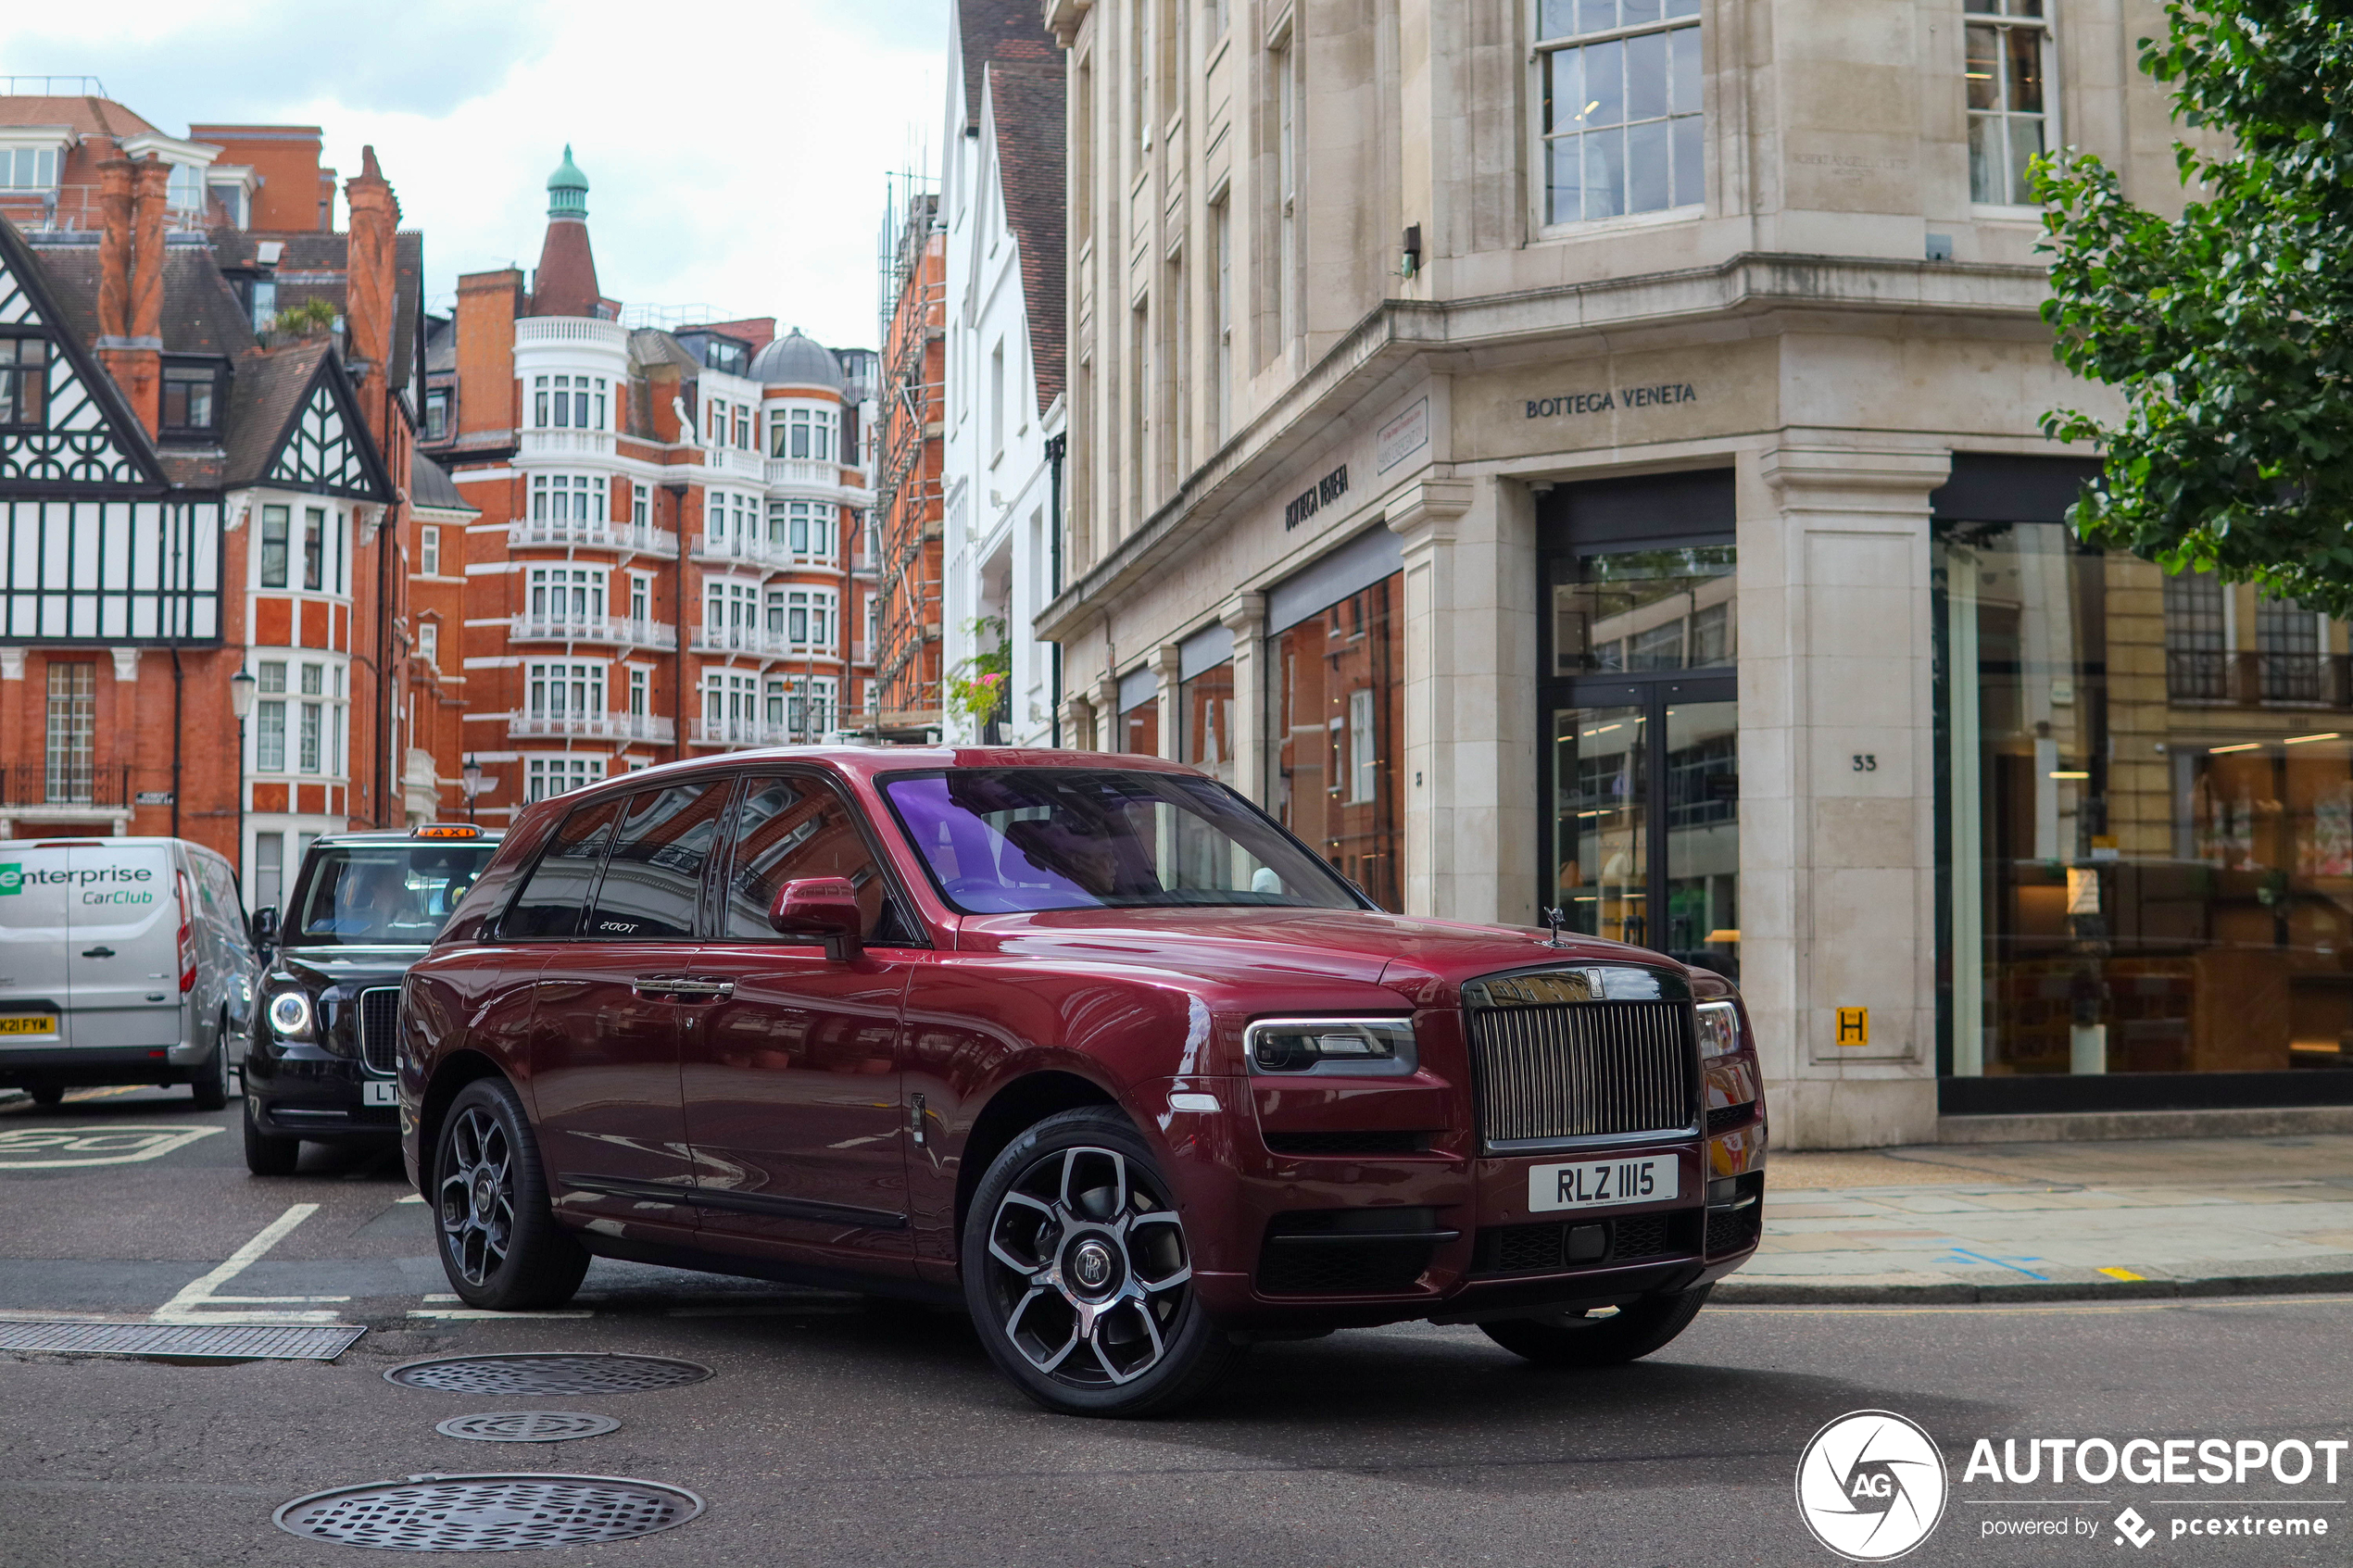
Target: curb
[1735,1293]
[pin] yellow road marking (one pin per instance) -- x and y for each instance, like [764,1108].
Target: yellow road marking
[2121,1274]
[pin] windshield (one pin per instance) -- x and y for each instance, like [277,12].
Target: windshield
[999,839]
[378,893]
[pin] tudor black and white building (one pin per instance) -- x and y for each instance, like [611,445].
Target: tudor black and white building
[189,493]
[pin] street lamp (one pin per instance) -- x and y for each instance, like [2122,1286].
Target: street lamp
[471,775]
[242,686]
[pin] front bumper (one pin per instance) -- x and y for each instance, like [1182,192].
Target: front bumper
[1325,1238]
[300,1091]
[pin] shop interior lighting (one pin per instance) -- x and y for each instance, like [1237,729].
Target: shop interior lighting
[2299,740]
[2242,746]
[2070,774]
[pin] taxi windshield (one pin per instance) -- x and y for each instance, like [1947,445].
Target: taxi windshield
[382,894]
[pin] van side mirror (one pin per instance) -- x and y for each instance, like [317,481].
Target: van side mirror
[823,907]
[263,926]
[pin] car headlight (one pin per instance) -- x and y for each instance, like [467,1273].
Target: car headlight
[1719,1029]
[1378,1045]
[290,1015]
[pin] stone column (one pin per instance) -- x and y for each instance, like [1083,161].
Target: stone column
[1167,666]
[1107,724]
[1468,774]
[1245,617]
[1837,788]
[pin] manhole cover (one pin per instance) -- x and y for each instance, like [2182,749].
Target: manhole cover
[562,1372]
[323,1342]
[488,1512]
[527,1426]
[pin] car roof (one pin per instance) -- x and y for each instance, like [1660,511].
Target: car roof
[869,761]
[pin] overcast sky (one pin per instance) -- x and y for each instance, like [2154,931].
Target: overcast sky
[735,150]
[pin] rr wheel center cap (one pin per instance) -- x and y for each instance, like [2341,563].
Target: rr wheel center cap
[1092,1265]
[482,1193]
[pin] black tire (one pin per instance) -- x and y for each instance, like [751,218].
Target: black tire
[1125,1344]
[266,1153]
[1627,1335]
[45,1094]
[500,1241]
[212,1082]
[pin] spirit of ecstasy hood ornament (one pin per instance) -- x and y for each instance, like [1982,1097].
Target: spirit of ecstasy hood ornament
[1556,918]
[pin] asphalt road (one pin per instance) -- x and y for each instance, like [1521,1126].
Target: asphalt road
[839,1431]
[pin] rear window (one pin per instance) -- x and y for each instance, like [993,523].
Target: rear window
[377,895]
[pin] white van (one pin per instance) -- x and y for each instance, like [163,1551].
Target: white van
[122,961]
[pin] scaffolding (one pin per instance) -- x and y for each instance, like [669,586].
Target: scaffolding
[909,459]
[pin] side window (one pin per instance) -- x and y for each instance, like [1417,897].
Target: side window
[793,828]
[551,901]
[654,875]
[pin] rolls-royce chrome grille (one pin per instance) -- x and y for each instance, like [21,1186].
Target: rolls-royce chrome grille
[1559,1055]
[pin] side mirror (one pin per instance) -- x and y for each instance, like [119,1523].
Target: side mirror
[823,907]
[263,926]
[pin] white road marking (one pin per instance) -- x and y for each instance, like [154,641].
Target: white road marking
[446,1312]
[412,1197]
[115,1145]
[195,1301]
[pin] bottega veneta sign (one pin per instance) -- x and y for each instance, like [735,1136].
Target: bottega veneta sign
[1313,499]
[1606,399]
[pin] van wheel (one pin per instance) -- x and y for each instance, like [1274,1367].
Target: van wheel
[499,1242]
[211,1083]
[1627,1335]
[266,1154]
[47,1094]
[1078,1274]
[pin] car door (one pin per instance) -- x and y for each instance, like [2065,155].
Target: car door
[604,1026]
[790,1072]
[35,927]
[124,906]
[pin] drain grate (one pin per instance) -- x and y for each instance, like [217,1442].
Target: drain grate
[561,1372]
[488,1512]
[527,1426]
[321,1342]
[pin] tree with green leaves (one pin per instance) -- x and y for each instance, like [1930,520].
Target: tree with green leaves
[2229,330]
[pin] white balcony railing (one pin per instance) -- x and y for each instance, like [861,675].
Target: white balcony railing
[743,732]
[823,472]
[764,553]
[567,443]
[736,463]
[589,726]
[572,329]
[628,538]
[759,642]
[618,630]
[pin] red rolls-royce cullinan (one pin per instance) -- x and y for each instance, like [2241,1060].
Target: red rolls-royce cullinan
[1088,1043]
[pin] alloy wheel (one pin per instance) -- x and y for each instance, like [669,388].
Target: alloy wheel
[1088,1267]
[478,1196]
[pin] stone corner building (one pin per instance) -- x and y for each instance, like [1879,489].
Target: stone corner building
[1584,454]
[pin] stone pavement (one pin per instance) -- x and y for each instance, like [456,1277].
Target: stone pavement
[2010,1221]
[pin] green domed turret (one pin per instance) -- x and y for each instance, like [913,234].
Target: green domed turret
[568,189]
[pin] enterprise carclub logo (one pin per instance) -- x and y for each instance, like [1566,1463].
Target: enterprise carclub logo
[1870,1485]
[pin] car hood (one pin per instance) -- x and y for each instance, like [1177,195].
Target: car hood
[1403,952]
[321,967]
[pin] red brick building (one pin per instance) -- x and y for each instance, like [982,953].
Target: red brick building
[911,461]
[653,542]
[205,442]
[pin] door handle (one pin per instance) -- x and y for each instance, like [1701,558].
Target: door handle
[97,952]
[680,986]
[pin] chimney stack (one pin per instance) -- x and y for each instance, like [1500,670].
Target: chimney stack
[131,198]
[370,281]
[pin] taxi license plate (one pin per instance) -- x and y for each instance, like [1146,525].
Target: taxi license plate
[1602,1184]
[29,1024]
[373,1092]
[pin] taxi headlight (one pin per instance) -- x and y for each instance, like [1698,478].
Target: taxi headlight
[290,1015]
[1720,1029]
[1372,1045]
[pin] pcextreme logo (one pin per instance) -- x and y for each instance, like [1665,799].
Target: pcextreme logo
[1871,1485]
